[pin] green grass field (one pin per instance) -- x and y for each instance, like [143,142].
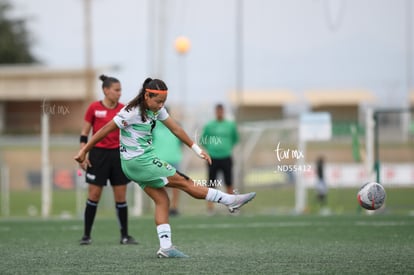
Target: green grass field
[266,238]
[244,244]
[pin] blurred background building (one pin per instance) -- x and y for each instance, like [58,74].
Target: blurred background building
[28,91]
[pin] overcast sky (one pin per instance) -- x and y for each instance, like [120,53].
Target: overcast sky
[287,44]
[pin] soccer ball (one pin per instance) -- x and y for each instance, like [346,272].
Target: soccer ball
[371,196]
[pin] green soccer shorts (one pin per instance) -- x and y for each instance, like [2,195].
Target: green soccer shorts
[148,170]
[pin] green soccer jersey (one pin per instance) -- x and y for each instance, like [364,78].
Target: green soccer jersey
[135,134]
[138,159]
[219,137]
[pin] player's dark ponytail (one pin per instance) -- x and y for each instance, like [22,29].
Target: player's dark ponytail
[138,101]
[107,81]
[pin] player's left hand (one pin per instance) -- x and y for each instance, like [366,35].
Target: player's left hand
[205,156]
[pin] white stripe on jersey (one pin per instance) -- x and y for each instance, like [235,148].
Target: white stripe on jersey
[136,135]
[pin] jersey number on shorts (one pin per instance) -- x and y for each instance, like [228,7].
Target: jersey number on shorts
[157,162]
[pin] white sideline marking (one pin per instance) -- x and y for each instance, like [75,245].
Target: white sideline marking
[286,224]
[390,223]
[72,228]
[249,225]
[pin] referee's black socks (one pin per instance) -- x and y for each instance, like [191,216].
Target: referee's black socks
[122,213]
[89,216]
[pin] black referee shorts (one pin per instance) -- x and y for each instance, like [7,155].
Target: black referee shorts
[224,165]
[106,165]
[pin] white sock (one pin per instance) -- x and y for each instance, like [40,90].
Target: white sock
[164,235]
[215,195]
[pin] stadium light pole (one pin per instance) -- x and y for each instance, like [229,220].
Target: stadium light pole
[87,7]
[405,116]
[239,54]
[150,36]
[239,69]
[160,34]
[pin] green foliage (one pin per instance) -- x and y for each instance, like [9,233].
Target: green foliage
[15,39]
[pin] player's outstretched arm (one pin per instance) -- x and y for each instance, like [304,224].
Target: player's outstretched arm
[98,136]
[179,132]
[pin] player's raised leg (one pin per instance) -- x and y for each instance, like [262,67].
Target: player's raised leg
[232,201]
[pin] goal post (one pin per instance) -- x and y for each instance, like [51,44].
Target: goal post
[313,126]
[269,147]
[376,129]
[5,190]
[46,169]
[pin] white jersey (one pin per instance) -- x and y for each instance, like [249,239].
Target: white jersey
[136,135]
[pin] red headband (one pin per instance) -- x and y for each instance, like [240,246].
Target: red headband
[157,91]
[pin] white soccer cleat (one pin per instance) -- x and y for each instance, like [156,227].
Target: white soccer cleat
[171,252]
[241,200]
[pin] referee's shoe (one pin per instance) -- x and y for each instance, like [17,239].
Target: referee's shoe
[86,240]
[128,240]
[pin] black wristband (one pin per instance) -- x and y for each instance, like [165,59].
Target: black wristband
[83,139]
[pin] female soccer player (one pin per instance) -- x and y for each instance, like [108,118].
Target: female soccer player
[140,164]
[103,162]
